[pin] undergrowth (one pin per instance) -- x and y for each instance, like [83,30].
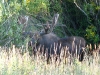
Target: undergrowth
[12,62]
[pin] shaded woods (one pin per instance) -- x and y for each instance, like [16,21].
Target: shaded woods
[79,18]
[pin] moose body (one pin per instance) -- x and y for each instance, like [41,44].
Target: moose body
[75,45]
[48,42]
[52,43]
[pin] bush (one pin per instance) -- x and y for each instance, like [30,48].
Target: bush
[10,31]
[91,34]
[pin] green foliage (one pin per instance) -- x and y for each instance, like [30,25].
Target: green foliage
[91,34]
[55,6]
[90,8]
[79,15]
[70,15]
[74,19]
[1,12]
[10,30]
[34,7]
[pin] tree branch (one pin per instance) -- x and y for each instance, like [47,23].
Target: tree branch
[80,8]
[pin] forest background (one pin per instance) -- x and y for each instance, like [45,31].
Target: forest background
[77,17]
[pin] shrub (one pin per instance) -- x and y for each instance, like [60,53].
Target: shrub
[91,34]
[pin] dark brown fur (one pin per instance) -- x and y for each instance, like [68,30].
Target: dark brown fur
[74,42]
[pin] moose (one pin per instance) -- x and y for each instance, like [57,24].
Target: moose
[53,44]
[46,39]
[75,44]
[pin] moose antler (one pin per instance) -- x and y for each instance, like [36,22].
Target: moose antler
[54,21]
[49,27]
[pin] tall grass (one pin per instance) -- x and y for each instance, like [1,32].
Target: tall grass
[12,62]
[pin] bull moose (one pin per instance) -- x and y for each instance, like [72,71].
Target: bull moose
[46,39]
[52,43]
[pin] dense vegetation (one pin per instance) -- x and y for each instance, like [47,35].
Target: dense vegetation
[14,63]
[77,17]
[80,18]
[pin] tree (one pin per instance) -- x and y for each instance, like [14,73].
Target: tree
[79,16]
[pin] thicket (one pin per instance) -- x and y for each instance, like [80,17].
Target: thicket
[79,18]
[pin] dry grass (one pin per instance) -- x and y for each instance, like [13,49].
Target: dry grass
[14,63]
